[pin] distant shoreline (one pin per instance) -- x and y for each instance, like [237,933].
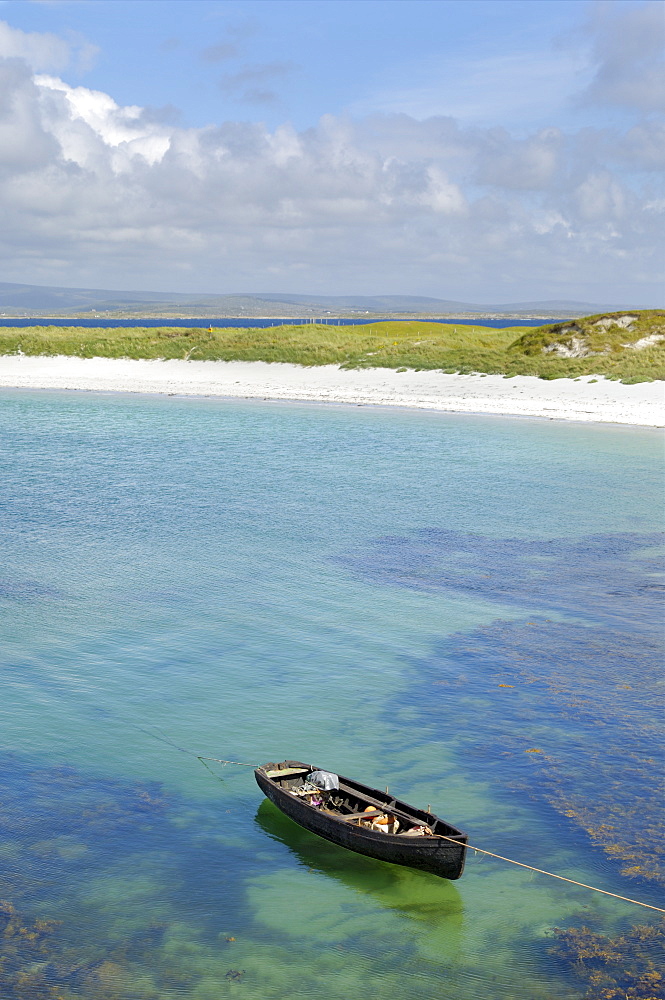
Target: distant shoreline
[117,319]
[586,399]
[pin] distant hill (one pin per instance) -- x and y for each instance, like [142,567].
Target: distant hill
[423,304]
[43,300]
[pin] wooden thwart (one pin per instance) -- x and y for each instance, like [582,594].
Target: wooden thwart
[287,772]
[372,814]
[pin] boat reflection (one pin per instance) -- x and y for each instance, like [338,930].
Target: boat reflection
[417,894]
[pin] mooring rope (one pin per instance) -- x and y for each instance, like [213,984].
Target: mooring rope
[217,760]
[479,850]
[164,739]
[541,871]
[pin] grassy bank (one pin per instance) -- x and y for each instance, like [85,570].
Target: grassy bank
[394,344]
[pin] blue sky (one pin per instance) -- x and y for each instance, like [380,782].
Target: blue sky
[517,63]
[471,150]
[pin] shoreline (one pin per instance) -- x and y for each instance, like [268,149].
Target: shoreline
[584,399]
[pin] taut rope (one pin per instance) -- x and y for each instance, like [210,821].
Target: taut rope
[541,871]
[192,753]
[240,763]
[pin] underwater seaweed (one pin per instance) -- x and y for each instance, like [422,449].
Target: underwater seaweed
[590,682]
[26,969]
[593,697]
[62,834]
[592,576]
[76,801]
[625,967]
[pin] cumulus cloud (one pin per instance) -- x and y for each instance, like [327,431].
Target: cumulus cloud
[24,143]
[43,51]
[92,192]
[643,146]
[74,115]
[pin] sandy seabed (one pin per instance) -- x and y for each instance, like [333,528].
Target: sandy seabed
[562,399]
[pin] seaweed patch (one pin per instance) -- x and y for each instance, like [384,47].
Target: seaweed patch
[593,576]
[64,838]
[626,967]
[589,684]
[598,761]
[25,956]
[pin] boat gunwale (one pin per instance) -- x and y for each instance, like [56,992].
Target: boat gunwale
[456,839]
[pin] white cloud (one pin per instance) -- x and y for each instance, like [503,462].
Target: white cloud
[40,51]
[24,144]
[68,109]
[94,193]
[43,51]
[643,146]
[601,199]
[533,163]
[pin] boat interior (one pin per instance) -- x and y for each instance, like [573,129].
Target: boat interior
[354,803]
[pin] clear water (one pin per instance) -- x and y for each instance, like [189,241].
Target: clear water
[351,586]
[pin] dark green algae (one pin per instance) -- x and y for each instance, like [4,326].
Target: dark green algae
[597,577]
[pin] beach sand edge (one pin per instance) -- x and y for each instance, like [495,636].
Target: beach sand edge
[584,399]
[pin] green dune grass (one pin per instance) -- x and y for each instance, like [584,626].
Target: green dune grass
[393,344]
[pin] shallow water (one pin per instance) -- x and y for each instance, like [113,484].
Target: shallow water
[465,607]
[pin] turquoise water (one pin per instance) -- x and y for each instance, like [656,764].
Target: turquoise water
[463,607]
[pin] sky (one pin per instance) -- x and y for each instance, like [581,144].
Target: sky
[500,151]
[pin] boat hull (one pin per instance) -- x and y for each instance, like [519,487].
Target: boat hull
[428,854]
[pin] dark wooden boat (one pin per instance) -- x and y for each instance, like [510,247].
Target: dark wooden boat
[365,820]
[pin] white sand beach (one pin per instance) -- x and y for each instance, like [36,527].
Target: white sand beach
[563,399]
